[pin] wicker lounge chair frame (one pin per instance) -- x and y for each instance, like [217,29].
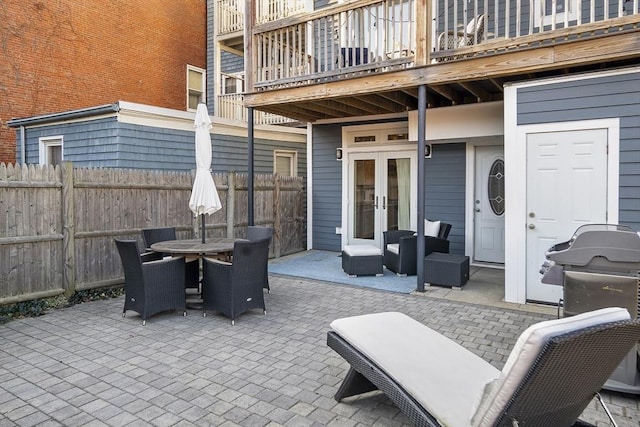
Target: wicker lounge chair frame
[565,377]
[234,288]
[151,287]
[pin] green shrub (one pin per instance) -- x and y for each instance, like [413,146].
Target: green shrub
[39,307]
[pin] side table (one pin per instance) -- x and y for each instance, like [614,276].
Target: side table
[446,269]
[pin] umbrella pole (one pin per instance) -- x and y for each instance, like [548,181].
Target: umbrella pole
[202,231]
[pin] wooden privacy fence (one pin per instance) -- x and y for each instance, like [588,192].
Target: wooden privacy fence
[57,224]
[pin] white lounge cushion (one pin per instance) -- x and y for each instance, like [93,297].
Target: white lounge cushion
[361,250]
[444,377]
[524,353]
[431,228]
[394,248]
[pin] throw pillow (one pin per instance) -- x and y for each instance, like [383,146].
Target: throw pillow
[431,228]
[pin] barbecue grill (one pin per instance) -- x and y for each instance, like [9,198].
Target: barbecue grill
[600,267]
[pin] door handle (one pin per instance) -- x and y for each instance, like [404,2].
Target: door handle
[384,202]
[375,205]
[477,209]
[532,226]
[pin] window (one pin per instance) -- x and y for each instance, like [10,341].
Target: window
[285,163]
[50,150]
[232,84]
[195,87]
[495,187]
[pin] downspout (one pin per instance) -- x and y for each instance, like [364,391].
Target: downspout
[23,151]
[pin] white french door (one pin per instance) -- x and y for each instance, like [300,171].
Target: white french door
[381,193]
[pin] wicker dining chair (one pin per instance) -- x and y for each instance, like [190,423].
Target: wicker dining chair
[259,233]
[233,288]
[151,287]
[192,265]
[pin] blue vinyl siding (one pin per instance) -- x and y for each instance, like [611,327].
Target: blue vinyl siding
[109,143]
[444,186]
[445,190]
[327,187]
[614,96]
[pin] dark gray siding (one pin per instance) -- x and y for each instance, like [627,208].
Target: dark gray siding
[88,143]
[445,190]
[444,184]
[109,143]
[230,154]
[327,187]
[596,98]
[146,147]
[230,63]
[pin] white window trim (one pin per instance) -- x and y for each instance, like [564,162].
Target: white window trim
[203,72]
[239,80]
[46,142]
[293,158]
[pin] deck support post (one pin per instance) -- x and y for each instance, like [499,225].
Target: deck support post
[422,121]
[250,166]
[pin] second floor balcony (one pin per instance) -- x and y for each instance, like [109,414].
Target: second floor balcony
[391,46]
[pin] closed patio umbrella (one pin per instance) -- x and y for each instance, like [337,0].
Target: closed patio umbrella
[204,196]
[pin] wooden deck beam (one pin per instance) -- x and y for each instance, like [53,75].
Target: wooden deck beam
[611,47]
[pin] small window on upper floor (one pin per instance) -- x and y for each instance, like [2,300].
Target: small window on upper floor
[50,150]
[196,78]
[285,163]
[232,83]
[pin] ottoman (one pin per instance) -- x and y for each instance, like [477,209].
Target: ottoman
[446,269]
[362,260]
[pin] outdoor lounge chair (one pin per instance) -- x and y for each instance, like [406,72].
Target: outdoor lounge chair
[151,287]
[233,288]
[553,372]
[473,33]
[192,266]
[401,250]
[259,233]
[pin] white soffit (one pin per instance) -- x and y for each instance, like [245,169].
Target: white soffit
[460,121]
[145,115]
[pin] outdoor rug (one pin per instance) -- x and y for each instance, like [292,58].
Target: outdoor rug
[327,266]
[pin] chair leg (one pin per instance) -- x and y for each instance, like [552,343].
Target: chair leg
[353,384]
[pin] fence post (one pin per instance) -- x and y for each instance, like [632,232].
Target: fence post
[231,207]
[68,230]
[277,220]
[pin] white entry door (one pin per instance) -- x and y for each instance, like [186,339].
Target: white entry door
[566,188]
[382,194]
[489,205]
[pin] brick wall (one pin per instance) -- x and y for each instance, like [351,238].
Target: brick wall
[69,54]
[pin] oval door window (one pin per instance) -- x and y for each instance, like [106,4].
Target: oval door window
[495,187]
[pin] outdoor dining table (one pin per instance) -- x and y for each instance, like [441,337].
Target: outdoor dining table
[220,246]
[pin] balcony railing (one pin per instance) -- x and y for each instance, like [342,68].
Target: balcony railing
[229,14]
[378,35]
[272,10]
[346,39]
[231,107]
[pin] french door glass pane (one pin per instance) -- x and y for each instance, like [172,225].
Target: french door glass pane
[364,190]
[398,194]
